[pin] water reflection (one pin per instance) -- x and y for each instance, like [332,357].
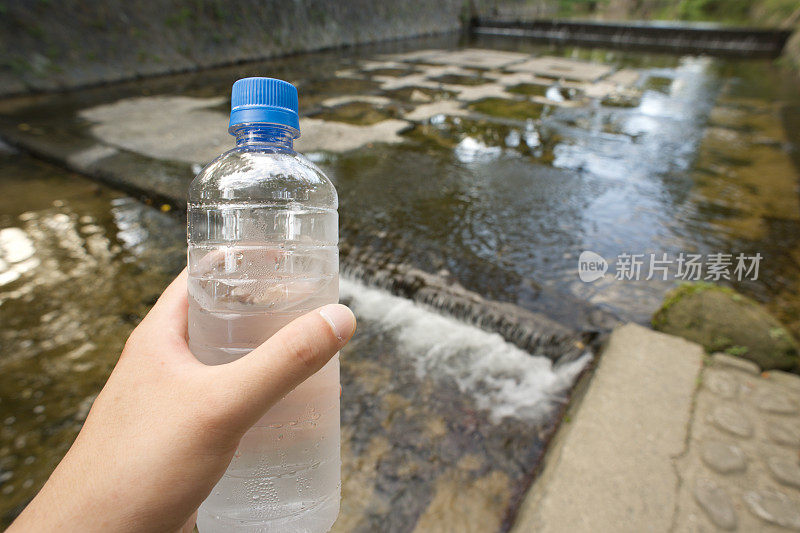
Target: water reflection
[508,205]
[426,397]
[72,288]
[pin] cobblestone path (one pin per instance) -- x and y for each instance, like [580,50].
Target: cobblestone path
[741,467]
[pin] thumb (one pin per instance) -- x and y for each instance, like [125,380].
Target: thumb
[260,379]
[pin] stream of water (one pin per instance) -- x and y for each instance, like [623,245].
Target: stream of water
[503,195]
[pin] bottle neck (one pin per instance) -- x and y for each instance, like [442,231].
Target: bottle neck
[264,134]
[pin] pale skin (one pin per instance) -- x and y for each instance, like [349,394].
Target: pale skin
[164,428]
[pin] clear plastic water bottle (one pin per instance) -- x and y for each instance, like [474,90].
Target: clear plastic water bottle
[263,235]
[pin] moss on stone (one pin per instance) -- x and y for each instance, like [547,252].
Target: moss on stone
[722,320]
[658,83]
[528,89]
[505,108]
[458,79]
[358,113]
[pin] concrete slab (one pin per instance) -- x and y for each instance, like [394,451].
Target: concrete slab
[389,83]
[322,135]
[369,64]
[562,68]
[477,92]
[611,467]
[415,56]
[444,107]
[476,58]
[178,128]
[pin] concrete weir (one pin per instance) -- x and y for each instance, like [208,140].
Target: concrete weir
[706,38]
[532,332]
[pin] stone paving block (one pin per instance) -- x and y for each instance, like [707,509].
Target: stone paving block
[445,107]
[784,433]
[559,67]
[476,57]
[785,470]
[724,457]
[739,447]
[626,77]
[716,503]
[366,98]
[737,363]
[477,92]
[340,137]
[786,379]
[155,126]
[732,420]
[775,401]
[416,55]
[774,507]
[722,384]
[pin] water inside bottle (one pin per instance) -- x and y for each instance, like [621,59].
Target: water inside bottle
[286,469]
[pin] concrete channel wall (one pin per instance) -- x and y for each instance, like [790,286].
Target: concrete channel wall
[674,37]
[46,45]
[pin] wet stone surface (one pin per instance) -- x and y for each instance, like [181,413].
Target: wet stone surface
[722,384]
[786,471]
[506,108]
[735,475]
[360,113]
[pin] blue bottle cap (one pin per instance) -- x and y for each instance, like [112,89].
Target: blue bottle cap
[265,101]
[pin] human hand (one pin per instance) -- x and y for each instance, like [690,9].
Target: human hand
[165,426]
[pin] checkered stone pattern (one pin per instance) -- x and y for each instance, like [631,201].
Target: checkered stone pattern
[740,470]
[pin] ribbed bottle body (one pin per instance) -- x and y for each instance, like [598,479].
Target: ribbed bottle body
[262,251]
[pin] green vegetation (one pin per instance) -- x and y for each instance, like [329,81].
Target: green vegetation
[568,8]
[406,94]
[181,18]
[768,12]
[738,351]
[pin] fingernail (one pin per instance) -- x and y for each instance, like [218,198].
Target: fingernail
[341,320]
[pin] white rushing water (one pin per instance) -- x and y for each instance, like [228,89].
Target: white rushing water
[503,379]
